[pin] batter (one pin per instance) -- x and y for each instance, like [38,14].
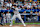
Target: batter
[16,14]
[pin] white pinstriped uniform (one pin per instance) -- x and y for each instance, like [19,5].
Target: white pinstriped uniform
[8,16]
[4,18]
[17,14]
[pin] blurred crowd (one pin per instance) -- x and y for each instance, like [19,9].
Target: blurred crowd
[8,4]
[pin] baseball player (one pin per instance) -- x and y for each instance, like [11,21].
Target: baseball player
[16,14]
[4,18]
[8,16]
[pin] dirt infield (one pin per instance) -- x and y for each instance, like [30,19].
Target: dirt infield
[21,26]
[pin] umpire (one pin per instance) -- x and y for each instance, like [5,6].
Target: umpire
[1,19]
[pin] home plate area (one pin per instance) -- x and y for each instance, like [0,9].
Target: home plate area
[21,26]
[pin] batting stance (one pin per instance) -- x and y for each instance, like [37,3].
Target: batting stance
[16,14]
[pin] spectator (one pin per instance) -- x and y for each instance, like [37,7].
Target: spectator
[31,7]
[2,1]
[5,1]
[3,8]
[34,4]
[30,3]
[38,5]
[9,4]
[25,4]
[8,8]
[28,6]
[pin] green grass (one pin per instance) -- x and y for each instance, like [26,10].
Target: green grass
[28,23]
[21,23]
[25,23]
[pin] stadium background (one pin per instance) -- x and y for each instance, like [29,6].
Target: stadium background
[28,11]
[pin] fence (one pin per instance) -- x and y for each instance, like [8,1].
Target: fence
[26,15]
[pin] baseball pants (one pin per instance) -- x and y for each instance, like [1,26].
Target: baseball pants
[18,16]
[8,20]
